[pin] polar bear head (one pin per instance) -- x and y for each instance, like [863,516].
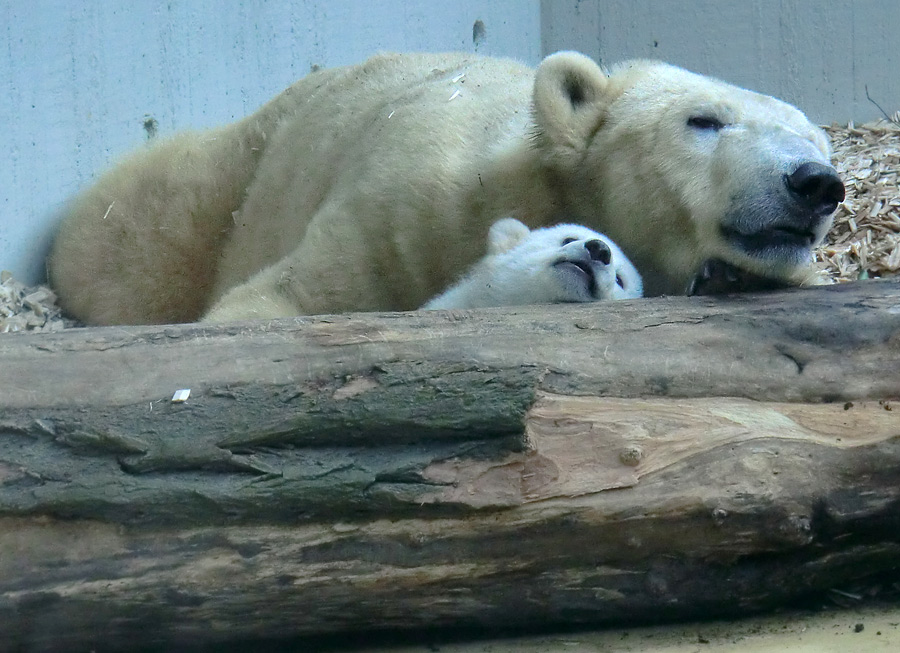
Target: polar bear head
[563,263]
[679,168]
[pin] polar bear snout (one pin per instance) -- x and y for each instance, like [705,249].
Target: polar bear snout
[599,251]
[817,187]
[586,265]
[780,222]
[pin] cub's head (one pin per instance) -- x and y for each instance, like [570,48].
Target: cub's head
[680,168]
[564,263]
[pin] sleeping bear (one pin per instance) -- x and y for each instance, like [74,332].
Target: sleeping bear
[564,263]
[372,187]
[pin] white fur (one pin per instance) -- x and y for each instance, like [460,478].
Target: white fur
[372,187]
[536,267]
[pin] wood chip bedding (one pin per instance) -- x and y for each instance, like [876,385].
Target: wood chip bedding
[28,309]
[863,243]
[865,239]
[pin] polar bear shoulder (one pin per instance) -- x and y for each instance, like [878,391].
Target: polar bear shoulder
[563,263]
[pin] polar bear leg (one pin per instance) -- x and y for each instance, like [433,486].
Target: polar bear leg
[260,298]
[284,289]
[317,277]
[141,245]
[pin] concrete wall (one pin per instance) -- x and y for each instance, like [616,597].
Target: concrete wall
[817,54]
[82,82]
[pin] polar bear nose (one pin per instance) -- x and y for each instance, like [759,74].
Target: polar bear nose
[599,251]
[818,186]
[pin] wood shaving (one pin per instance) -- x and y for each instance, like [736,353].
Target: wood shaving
[863,243]
[24,308]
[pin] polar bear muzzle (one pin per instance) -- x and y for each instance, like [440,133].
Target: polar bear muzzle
[786,223]
[589,256]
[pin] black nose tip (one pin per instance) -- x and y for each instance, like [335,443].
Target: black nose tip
[818,186]
[599,251]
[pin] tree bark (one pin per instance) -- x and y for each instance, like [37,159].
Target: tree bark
[655,459]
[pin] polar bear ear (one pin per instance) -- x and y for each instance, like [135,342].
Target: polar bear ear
[569,98]
[506,234]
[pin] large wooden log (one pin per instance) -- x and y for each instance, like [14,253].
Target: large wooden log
[663,458]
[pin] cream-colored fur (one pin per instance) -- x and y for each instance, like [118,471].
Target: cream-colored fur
[372,187]
[563,263]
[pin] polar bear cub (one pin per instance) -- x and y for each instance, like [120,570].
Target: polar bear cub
[564,263]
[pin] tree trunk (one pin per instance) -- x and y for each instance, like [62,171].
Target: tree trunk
[655,459]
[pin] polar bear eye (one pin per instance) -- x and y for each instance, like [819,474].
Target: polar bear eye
[705,123]
[620,282]
[566,241]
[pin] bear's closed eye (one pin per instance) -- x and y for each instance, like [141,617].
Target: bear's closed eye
[705,122]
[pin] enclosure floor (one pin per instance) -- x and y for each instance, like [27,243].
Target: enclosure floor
[833,631]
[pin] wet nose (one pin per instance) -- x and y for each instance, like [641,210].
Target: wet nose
[817,186]
[599,251]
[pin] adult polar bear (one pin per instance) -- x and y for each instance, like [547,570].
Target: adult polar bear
[372,187]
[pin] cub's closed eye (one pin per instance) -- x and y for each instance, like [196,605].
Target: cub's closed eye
[620,282]
[566,241]
[705,122]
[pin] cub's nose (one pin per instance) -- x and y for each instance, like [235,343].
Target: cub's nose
[816,186]
[599,251]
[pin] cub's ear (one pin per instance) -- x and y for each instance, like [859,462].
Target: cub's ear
[506,234]
[569,99]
